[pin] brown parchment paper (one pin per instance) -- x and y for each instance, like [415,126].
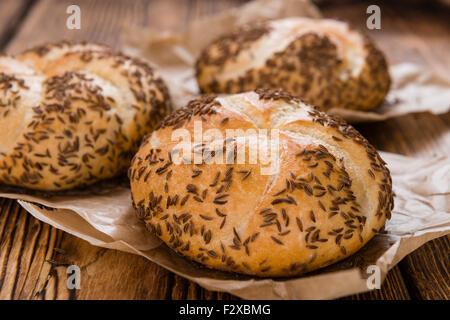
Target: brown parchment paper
[414,89]
[421,213]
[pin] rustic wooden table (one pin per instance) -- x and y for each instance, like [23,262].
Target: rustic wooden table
[409,32]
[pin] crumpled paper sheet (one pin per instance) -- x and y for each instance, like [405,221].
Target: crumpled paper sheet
[414,89]
[421,213]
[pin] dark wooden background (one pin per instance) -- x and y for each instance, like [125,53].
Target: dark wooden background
[411,31]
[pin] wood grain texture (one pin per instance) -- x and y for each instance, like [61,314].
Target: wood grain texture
[25,245]
[34,256]
[393,288]
[426,270]
[12,13]
[101,21]
[412,33]
[417,32]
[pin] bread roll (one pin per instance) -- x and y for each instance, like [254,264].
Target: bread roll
[322,61]
[329,194]
[72,114]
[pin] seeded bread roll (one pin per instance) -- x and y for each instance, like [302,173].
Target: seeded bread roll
[329,194]
[72,114]
[322,61]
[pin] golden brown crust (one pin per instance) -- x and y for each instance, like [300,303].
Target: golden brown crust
[330,194]
[323,61]
[72,114]
[230,45]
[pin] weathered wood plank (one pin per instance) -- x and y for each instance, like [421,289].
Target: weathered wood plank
[109,274]
[101,21]
[427,270]
[12,12]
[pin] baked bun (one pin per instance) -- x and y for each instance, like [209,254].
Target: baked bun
[322,61]
[72,114]
[329,194]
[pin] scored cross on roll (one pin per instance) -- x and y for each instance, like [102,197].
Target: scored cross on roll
[329,192]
